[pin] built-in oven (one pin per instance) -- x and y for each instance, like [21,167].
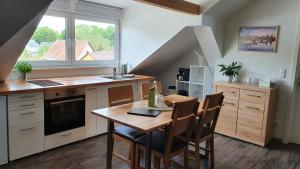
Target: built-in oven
[64,110]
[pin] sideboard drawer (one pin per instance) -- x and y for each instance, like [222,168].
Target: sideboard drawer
[230,104]
[252,113]
[25,96]
[253,96]
[229,92]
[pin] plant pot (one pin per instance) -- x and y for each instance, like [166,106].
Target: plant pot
[228,79]
[22,76]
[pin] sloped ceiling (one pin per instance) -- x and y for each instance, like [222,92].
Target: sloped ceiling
[19,20]
[14,14]
[185,41]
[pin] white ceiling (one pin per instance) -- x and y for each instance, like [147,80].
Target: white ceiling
[226,8]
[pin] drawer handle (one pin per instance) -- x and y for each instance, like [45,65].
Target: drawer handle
[27,97]
[28,105]
[27,129]
[24,114]
[254,108]
[91,89]
[251,95]
[64,135]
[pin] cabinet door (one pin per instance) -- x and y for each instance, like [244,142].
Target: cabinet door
[228,117]
[26,140]
[101,122]
[3,131]
[90,119]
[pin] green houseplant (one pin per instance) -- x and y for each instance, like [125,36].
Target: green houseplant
[23,68]
[230,71]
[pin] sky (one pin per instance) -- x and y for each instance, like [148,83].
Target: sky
[58,23]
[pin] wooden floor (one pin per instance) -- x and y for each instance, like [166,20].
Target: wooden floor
[230,154]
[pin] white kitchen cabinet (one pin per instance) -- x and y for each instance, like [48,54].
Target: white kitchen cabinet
[26,140]
[102,102]
[26,124]
[3,131]
[63,138]
[90,119]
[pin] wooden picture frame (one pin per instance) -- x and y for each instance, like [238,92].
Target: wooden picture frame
[258,39]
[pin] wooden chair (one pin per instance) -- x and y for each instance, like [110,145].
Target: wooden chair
[118,96]
[147,86]
[166,144]
[204,128]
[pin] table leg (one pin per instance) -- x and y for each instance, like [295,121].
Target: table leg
[148,151]
[109,144]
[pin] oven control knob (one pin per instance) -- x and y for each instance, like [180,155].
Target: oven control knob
[57,94]
[73,92]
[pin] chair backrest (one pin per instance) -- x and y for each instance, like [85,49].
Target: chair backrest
[211,110]
[147,86]
[120,95]
[183,118]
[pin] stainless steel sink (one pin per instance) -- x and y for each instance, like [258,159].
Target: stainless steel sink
[118,77]
[114,77]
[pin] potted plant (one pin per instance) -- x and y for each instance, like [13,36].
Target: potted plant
[230,71]
[23,68]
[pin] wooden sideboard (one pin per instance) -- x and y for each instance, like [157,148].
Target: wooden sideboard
[247,113]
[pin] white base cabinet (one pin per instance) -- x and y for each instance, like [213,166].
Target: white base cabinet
[26,124]
[3,131]
[63,138]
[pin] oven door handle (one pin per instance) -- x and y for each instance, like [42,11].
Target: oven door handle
[67,101]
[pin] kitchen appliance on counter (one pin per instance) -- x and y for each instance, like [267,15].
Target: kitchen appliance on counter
[3,131]
[64,110]
[184,74]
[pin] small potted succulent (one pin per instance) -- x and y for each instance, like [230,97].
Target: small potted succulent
[230,71]
[23,68]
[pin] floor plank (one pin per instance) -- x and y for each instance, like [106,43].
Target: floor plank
[230,154]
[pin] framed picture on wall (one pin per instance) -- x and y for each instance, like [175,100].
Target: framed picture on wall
[261,39]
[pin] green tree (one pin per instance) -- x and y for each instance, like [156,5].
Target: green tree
[43,49]
[99,38]
[45,34]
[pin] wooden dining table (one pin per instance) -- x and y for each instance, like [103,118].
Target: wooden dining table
[118,114]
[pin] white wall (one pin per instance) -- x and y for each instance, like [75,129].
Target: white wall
[146,28]
[266,13]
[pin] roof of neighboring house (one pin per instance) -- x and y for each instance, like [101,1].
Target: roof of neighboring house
[58,50]
[100,55]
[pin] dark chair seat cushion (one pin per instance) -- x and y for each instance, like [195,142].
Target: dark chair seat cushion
[206,131]
[127,132]
[159,140]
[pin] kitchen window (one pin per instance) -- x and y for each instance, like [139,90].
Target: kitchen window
[86,36]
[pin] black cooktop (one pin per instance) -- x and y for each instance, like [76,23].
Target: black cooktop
[45,83]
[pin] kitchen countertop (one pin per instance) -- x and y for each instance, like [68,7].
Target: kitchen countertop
[15,86]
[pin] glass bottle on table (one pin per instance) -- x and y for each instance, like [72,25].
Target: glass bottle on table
[152,95]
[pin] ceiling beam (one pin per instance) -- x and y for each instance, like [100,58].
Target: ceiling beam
[177,5]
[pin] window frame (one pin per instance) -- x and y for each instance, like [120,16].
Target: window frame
[91,18]
[70,41]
